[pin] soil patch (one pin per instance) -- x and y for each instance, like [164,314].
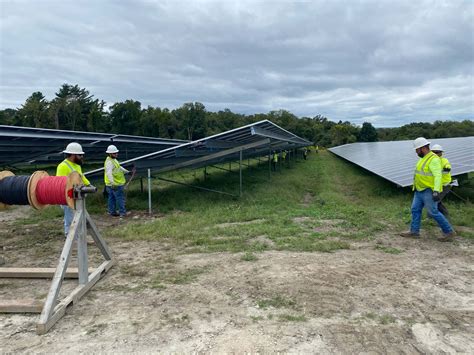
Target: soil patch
[368,299]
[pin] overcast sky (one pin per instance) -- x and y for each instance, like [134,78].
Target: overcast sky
[386,62]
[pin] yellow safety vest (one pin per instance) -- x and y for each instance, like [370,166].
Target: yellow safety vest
[427,170]
[117,173]
[66,167]
[283,155]
[446,174]
[275,158]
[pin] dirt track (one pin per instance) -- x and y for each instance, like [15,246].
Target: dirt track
[361,300]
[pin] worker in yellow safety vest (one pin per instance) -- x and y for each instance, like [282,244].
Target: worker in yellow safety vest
[114,178]
[73,162]
[274,160]
[446,177]
[428,187]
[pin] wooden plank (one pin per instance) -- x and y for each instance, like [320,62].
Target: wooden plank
[36,273]
[21,306]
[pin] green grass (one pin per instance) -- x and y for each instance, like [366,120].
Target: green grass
[388,250]
[249,256]
[320,205]
[291,318]
[382,319]
[172,276]
[276,302]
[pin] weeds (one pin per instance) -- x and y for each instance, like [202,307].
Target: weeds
[248,256]
[291,318]
[276,302]
[388,250]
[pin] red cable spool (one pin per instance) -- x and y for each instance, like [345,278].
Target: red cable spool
[52,190]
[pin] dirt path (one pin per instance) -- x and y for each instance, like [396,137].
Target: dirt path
[388,295]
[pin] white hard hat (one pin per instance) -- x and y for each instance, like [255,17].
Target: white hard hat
[73,148]
[112,149]
[437,148]
[420,142]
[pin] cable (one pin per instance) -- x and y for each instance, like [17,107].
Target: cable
[14,190]
[51,190]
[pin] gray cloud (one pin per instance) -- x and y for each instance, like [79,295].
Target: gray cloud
[382,61]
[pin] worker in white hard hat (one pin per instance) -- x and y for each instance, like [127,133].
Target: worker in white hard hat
[446,180]
[428,187]
[73,162]
[114,177]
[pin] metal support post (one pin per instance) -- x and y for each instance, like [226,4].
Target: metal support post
[269,163]
[149,191]
[240,173]
[141,184]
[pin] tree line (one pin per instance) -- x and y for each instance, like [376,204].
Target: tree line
[74,108]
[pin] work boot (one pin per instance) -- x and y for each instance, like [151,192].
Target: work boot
[410,235]
[447,237]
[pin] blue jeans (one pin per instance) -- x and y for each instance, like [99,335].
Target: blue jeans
[68,216]
[116,197]
[425,199]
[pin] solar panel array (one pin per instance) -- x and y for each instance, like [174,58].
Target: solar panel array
[396,160]
[253,140]
[24,145]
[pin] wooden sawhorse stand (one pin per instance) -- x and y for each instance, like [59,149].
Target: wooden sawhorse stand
[53,309]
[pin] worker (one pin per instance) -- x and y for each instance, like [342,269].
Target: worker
[305,153]
[427,186]
[446,178]
[283,156]
[114,177]
[274,160]
[73,162]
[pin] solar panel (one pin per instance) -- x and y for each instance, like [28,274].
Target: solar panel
[396,160]
[253,140]
[25,145]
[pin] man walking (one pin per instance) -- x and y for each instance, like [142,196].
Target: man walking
[446,178]
[114,177]
[73,162]
[428,187]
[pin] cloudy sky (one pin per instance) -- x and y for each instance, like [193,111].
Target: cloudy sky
[386,62]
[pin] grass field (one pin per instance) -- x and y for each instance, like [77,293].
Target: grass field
[308,261]
[314,205]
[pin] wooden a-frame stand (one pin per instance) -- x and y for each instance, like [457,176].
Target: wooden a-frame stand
[53,309]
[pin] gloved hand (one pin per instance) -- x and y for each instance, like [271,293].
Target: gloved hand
[436,196]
